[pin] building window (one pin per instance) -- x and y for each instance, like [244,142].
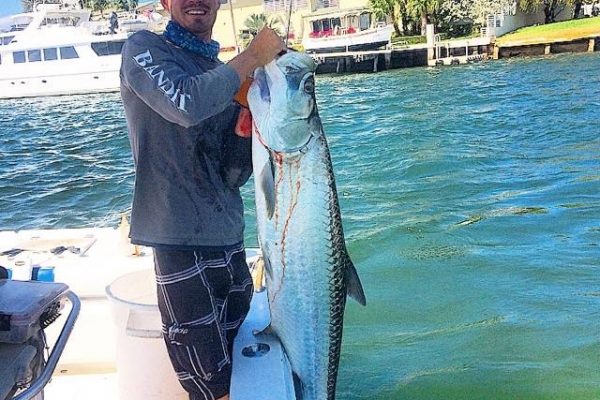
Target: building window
[50,54]
[68,52]
[34,55]
[19,57]
[327,3]
[107,48]
[272,6]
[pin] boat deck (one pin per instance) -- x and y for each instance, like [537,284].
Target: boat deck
[92,259]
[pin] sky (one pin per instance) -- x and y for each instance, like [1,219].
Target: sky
[8,7]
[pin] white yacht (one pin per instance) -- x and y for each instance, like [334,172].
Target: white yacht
[57,50]
[344,31]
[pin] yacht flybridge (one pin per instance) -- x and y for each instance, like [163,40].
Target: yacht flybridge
[55,50]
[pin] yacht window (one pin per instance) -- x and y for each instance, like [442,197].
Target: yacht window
[68,52]
[108,48]
[50,54]
[34,55]
[6,40]
[364,21]
[19,57]
[61,20]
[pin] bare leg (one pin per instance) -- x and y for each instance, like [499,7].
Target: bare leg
[226,397]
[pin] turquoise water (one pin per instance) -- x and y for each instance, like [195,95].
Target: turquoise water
[471,204]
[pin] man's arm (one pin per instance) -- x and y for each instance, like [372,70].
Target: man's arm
[149,70]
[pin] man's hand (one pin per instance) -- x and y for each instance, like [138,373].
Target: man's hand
[262,50]
[265,46]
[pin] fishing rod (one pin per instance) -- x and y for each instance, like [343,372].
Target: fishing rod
[289,23]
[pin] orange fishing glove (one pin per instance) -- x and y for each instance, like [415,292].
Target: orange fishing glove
[243,126]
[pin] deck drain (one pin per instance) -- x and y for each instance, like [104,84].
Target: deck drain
[256,350]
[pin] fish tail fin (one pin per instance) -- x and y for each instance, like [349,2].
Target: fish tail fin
[354,288]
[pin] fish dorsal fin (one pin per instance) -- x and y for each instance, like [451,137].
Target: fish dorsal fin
[354,288]
[267,185]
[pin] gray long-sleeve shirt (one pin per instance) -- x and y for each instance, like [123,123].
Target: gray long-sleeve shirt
[180,116]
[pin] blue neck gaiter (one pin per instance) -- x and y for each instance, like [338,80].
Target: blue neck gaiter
[183,38]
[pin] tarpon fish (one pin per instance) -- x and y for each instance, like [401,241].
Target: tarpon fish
[308,271]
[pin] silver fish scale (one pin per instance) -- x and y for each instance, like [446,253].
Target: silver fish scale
[307,290]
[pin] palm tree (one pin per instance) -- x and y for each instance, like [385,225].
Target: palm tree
[425,10]
[396,10]
[255,22]
[28,5]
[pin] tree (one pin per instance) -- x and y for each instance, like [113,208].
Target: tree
[455,17]
[126,5]
[255,22]
[577,8]
[396,10]
[552,8]
[481,9]
[425,10]
[28,5]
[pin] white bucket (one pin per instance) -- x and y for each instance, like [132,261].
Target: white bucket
[143,367]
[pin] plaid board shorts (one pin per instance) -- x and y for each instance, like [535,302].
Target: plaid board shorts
[203,298]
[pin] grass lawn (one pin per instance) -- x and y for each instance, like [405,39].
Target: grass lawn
[558,31]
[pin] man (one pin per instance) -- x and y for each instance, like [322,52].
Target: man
[113,23]
[178,100]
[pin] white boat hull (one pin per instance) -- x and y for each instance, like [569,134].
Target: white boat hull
[67,77]
[363,40]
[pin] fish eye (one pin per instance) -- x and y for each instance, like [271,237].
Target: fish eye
[309,85]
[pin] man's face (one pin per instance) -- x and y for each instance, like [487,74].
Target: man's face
[197,16]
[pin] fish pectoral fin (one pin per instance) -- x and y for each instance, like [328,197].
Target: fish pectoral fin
[266,331]
[267,185]
[354,287]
